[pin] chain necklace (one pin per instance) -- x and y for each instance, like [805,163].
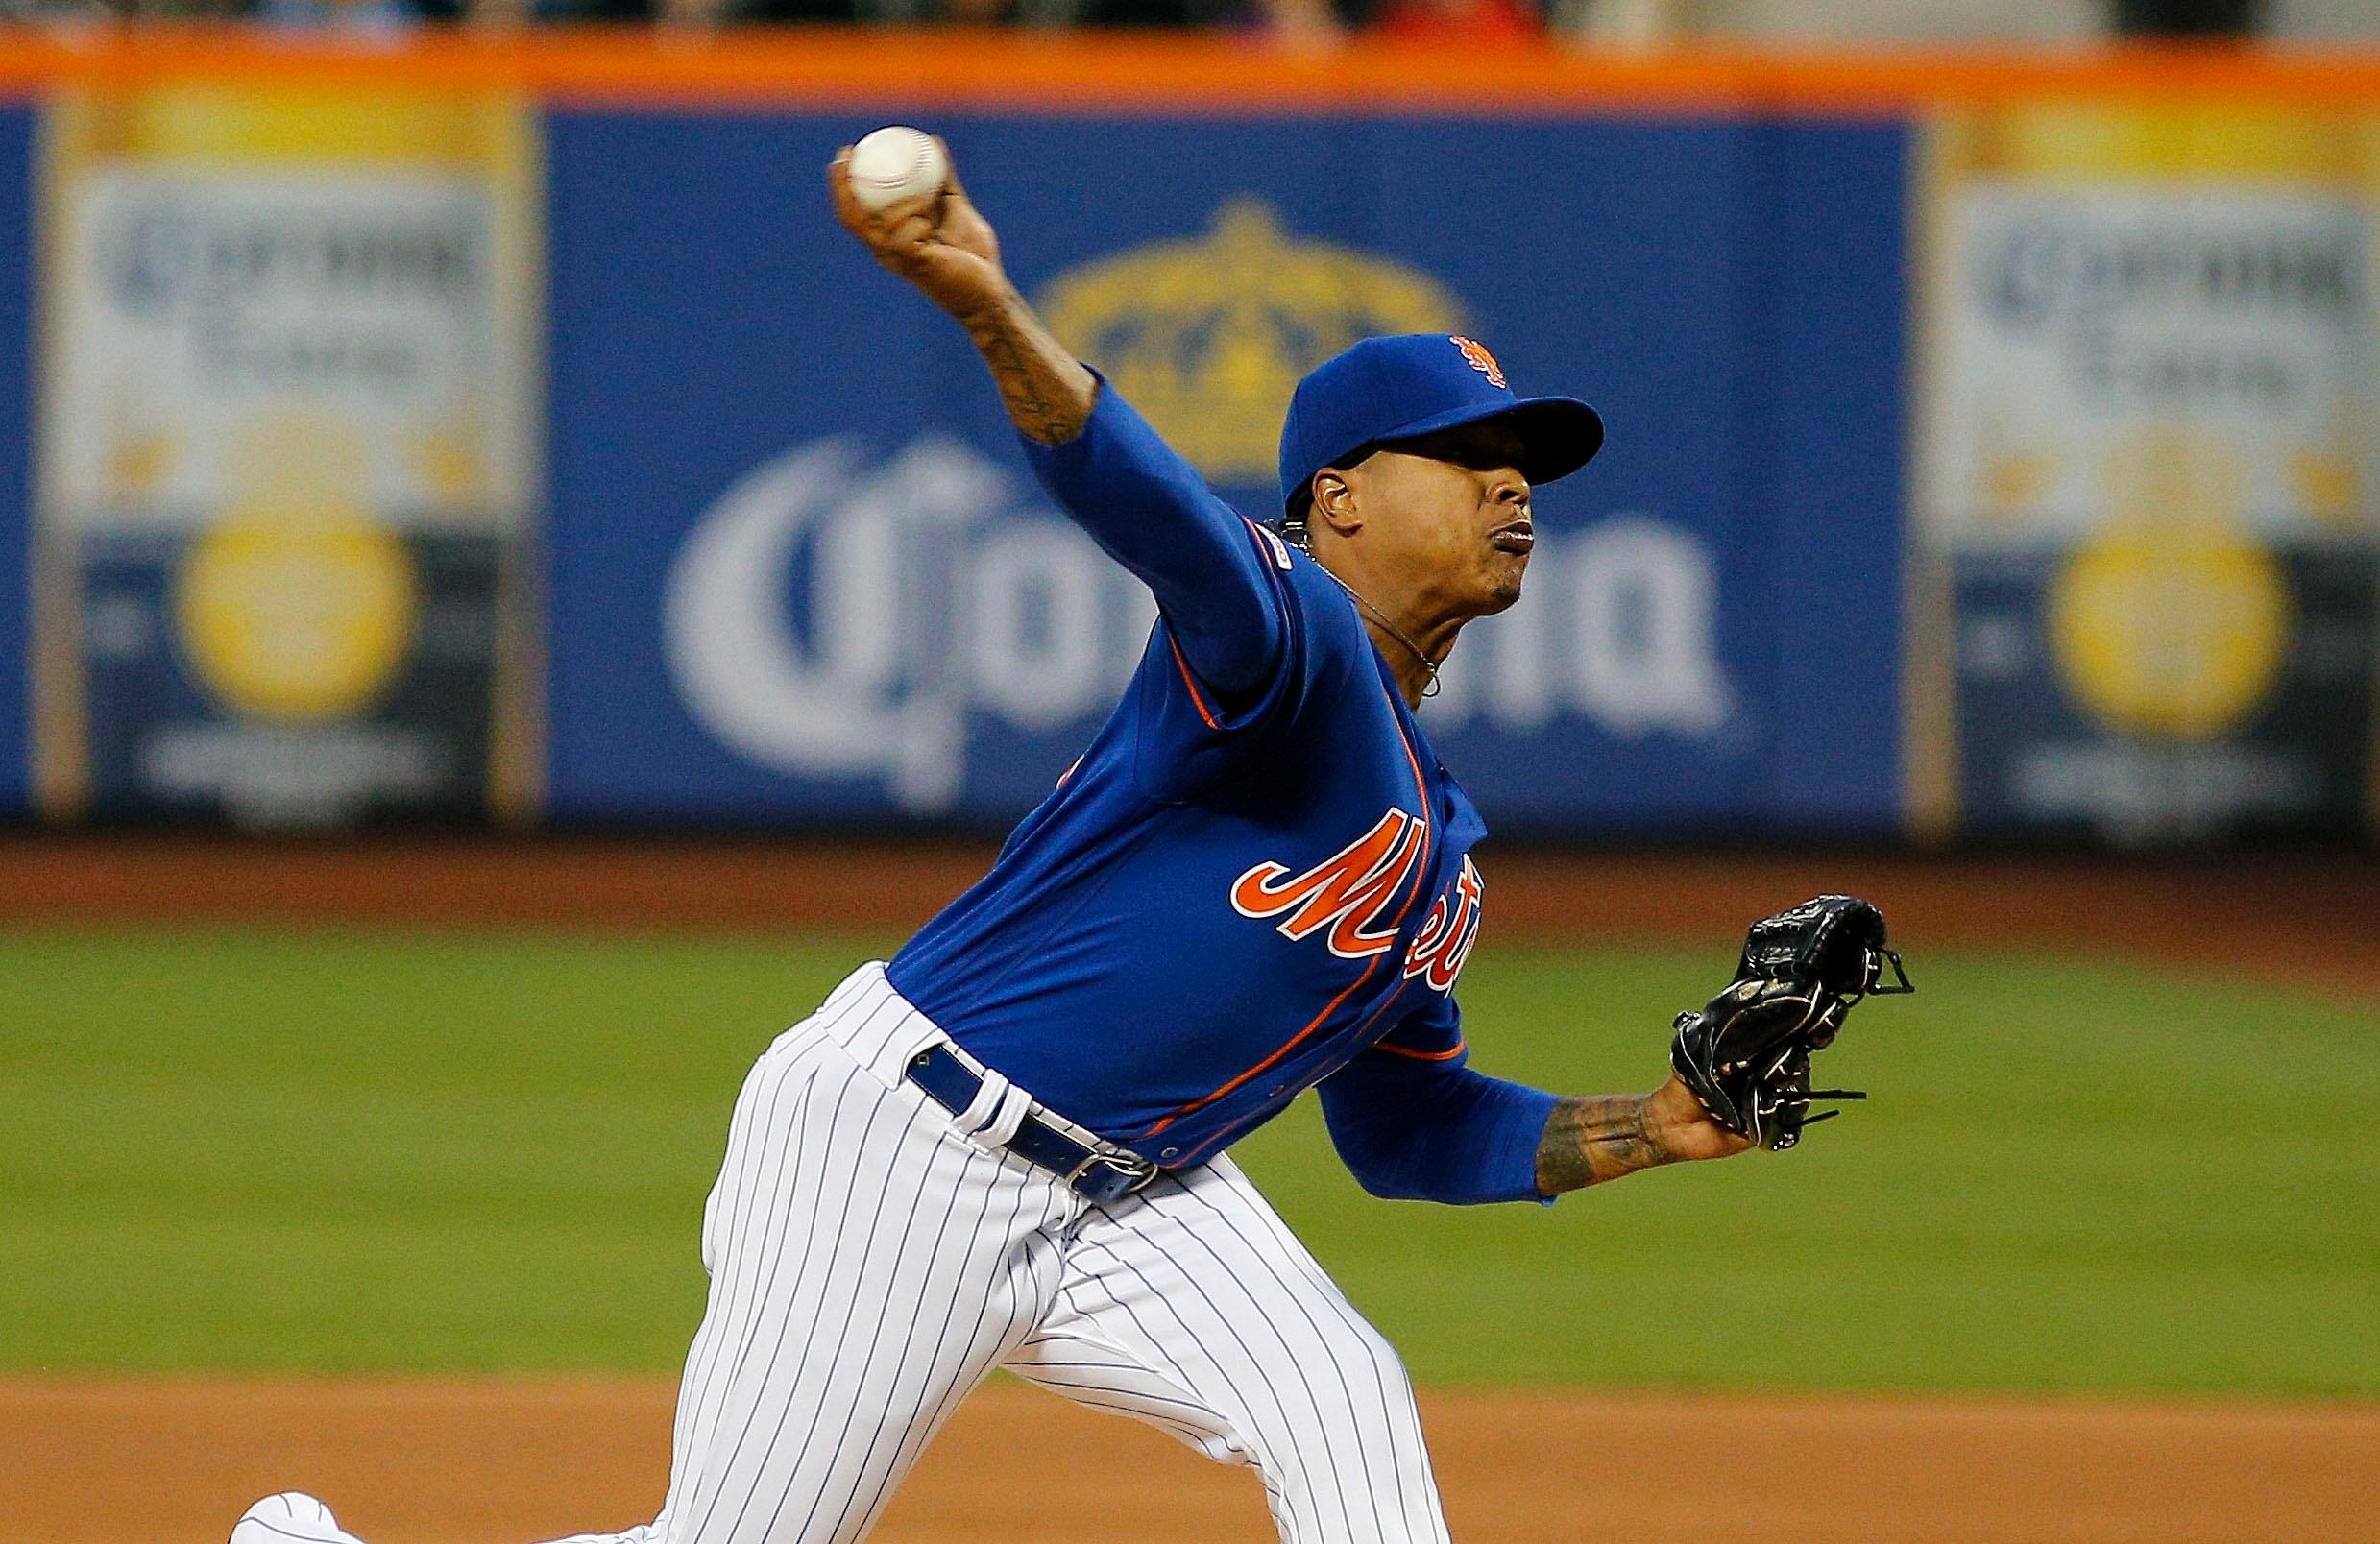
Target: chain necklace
[1428,665]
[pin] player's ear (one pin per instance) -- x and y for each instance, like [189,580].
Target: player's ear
[1335,504]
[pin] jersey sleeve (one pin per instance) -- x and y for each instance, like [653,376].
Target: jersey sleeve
[1414,1123]
[1214,574]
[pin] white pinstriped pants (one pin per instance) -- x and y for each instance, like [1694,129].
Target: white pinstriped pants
[873,1256]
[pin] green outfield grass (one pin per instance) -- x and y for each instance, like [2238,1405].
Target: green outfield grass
[422,1151]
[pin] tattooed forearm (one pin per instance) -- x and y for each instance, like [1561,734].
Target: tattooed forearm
[1590,1141]
[1047,391]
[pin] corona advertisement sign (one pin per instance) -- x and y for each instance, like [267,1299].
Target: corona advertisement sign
[287,454]
[802,574]
[2146,451]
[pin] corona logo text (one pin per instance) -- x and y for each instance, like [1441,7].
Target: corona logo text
[831,618]
[881,620]
[1350,897]
[1617,623]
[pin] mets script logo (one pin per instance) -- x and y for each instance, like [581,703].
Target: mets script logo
[1445,939]
[1346,896]
[1480,359]
[1351,899]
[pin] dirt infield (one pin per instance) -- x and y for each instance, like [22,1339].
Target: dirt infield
[118,1463]
[2307,916]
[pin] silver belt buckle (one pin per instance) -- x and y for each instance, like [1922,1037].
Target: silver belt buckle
[1141,1169]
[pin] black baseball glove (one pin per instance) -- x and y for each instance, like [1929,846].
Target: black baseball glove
[1746,1055]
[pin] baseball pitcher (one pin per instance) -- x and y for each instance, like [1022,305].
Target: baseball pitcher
[1006,1146]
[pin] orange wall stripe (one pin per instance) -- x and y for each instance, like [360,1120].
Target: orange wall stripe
[882,72]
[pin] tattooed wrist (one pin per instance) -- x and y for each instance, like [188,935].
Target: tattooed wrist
[1046,390]
[1594,1140]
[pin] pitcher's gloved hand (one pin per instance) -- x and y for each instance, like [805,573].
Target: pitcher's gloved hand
[1746,1054]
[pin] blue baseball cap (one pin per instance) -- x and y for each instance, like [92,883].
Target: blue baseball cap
[1399,388]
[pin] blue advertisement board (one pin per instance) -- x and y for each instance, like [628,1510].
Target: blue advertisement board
[800,574]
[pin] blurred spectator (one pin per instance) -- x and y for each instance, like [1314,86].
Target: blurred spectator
[100,10]
[2187,18]
[1295,17]
[513,12]
[365,18]
[1453,20]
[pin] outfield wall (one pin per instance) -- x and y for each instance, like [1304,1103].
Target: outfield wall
[463,430]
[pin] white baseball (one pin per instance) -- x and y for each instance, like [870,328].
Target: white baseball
[896,163]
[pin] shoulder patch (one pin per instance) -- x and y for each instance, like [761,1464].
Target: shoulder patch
[1278,548]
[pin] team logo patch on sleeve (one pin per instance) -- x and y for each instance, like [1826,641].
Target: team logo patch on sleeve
[1480,359]
[1346,895]
[1273,544]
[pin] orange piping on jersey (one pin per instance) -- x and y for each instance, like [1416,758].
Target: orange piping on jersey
[1420,790]
[1448,1054]
[1191,682]
[1198,1104]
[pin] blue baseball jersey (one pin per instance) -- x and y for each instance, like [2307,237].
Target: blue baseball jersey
[1256,880]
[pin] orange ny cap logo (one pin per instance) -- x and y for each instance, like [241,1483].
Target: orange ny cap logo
[1480,359]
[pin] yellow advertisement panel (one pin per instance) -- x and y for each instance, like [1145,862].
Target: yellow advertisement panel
[287,453]
[2149,428]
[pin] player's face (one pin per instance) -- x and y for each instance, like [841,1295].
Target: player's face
[1450,514]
